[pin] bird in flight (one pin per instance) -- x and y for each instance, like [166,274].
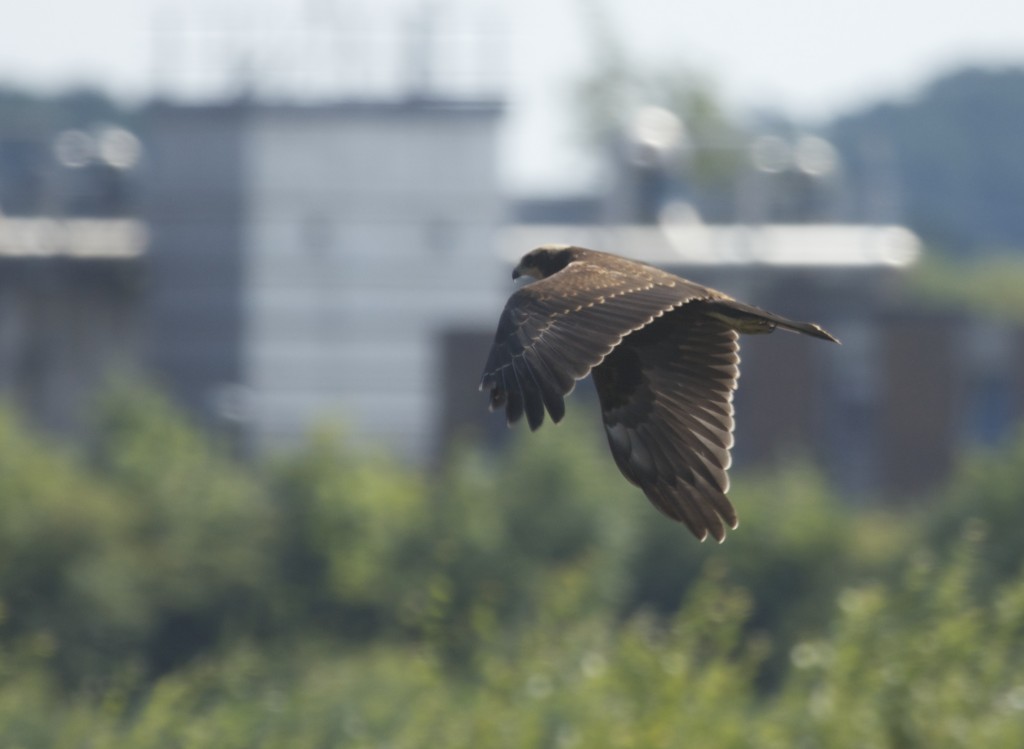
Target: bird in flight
[664,353]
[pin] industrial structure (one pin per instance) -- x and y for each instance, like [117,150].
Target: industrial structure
[305,260]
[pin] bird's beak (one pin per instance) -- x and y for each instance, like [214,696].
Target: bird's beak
[516,273]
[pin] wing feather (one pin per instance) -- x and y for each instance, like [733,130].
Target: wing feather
[553,332]
[666,397]
[550,384]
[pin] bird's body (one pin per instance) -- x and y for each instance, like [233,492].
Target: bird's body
[664,354]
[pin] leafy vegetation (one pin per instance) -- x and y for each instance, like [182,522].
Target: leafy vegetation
[989,287]
[157,593]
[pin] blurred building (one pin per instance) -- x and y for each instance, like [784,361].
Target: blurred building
[70,313]
[297,265]
[307,259]
[71,172]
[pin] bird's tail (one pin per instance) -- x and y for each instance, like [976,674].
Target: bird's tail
[748,319]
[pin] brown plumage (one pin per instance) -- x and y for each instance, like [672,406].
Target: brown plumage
[665,358]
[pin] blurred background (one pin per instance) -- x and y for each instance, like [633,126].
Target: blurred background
[251,260]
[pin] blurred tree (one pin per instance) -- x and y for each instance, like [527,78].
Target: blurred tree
[59,533]
[23,113]
[987,287]
[947,162]
[323,600]
[712,153]
[354,540]
[798,543]
[986,493]
[545,527]
[915,661]
[198,551]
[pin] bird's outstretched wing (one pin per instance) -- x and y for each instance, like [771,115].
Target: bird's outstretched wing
[666,398]
[554,331]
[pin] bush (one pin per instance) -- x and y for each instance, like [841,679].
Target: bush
[920,662]
[196,550]
[353,543]
[159,593]
[64,594]
[545,527]
[987,489]
[923,663]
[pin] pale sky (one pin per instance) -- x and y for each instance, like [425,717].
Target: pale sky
[808,58]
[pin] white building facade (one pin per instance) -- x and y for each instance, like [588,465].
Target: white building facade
[306,261]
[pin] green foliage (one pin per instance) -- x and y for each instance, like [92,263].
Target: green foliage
[920,664]
[195,555]
[916,663]
[157,593]
[546,527]
[57,530]
[987,492]
[796,545]
[989,287]
[351,536]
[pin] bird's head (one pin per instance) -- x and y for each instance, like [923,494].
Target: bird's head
[546,260]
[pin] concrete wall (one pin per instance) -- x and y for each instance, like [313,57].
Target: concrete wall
[67,326]
[306,261]
[369,232]
[194,204]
